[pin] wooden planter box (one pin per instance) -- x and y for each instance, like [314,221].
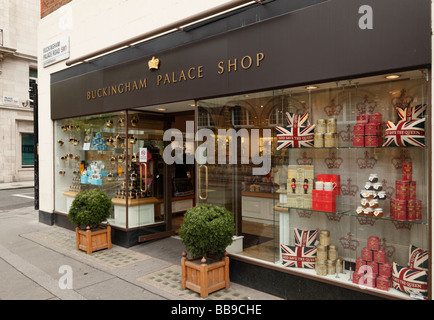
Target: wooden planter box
[203,277]
[92,240]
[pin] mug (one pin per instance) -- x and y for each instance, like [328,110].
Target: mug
[329,186]
[319,185]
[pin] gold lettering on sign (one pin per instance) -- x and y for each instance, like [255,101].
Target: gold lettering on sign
[245,63]
[119,88]
[192,73]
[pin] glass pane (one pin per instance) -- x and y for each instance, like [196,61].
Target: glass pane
[27,152]
[330,157]
[90,153]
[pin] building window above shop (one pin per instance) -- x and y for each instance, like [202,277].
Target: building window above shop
[27,150]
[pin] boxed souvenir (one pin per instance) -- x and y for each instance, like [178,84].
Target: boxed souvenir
[383,283]
[358,141]
[362,118]
[375,118]
[359,263]
[372,141]
[359,130]
[370,280]
[373,265]
[374,243]
[367,254]
[372,129]
[358,278]
[385,269]
[380,256]
[96,182]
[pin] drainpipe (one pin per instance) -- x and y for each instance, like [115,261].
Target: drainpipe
[175,25]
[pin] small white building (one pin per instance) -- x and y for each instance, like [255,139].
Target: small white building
[18,70]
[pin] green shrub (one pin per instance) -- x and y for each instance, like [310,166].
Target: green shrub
[207,230]
[90,208]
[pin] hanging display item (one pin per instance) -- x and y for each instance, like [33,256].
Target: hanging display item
[409,131]
[297,134]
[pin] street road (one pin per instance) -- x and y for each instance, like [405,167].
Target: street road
[16,198]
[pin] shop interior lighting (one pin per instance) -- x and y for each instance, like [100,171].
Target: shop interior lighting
[393,76]
[311,87]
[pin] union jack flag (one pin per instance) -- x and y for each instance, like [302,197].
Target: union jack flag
[412,113]
[405,133]
[305,238]
[409,280]
[298,257]
[296,135]
[295,120]
[418,258]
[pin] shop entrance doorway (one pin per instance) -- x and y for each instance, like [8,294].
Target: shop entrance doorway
[180,178]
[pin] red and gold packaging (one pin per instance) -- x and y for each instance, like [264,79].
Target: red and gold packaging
[372,129]
[375,118]
[407,170]
[358,278]
[359,263]
[383,283]
[372,141]
[374,267]
[358,141]
[411,210]
[370,280]
[402,189]
[400,210]
[412,191]
[359,130]
[385,269]
[362,118]
[380,256]
[374,243]
[418,210]
[367,254]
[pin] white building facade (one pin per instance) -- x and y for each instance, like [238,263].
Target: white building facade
[18,69]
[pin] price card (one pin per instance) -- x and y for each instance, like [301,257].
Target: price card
[143,155]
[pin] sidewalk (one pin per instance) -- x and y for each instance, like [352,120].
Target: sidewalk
[17,185]
[34,257]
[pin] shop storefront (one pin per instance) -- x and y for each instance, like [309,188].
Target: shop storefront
[292,123]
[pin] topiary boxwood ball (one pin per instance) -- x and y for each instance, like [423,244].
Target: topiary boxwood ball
[90,208]
[207,230]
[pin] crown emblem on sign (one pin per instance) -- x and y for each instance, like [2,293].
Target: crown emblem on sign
[153,63]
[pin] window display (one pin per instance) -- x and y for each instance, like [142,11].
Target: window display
[119,153]
[348,192]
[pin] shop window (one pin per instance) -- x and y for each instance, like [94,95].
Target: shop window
[27,150]
[32,81]
[348,191]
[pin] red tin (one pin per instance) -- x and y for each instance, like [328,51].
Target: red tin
[385,269]
[374,243]
[402,189]
[367,254]
[359,130]
[407,170]
[380,256]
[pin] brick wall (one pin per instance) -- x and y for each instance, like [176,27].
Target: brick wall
[49,6]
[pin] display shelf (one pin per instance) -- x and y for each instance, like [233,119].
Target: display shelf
[346,211]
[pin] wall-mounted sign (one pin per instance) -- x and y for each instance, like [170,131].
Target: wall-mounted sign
[55,51]
[11,101]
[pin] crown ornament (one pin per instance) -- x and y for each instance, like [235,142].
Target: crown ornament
[402,224]
[305,160]
[366,106]
[333,217]
[403,101]
[333,162]
[367,162]
[153,64]
[349,189]
[346,135]
[304,214]
[348,242]
[397,161]
[333,109]
[365,221]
